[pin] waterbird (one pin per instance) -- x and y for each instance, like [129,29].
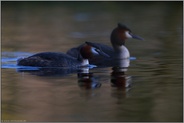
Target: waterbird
[118,50]
[57,59]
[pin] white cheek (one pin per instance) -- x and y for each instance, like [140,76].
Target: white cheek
[127,34]
[94,51]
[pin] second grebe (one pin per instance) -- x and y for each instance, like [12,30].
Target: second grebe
[55,59]
[118,51]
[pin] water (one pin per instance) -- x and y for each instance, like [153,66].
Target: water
[150,89]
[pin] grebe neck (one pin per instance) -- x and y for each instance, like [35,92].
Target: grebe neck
[85,62]
[121,52]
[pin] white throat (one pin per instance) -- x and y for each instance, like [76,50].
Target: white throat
[121,52]
[85,62]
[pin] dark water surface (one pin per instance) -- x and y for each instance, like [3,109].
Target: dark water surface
[151,89]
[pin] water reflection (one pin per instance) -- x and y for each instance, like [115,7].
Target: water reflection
[119,79]
[87,80]
[49,71]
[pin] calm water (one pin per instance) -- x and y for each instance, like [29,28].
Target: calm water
[150,89]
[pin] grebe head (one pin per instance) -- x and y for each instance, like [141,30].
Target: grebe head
[88,51]
[121,33]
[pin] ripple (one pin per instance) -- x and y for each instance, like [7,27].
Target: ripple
[9,59]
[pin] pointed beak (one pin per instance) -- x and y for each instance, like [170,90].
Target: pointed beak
[97,49]
[100,52]
[136,37]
